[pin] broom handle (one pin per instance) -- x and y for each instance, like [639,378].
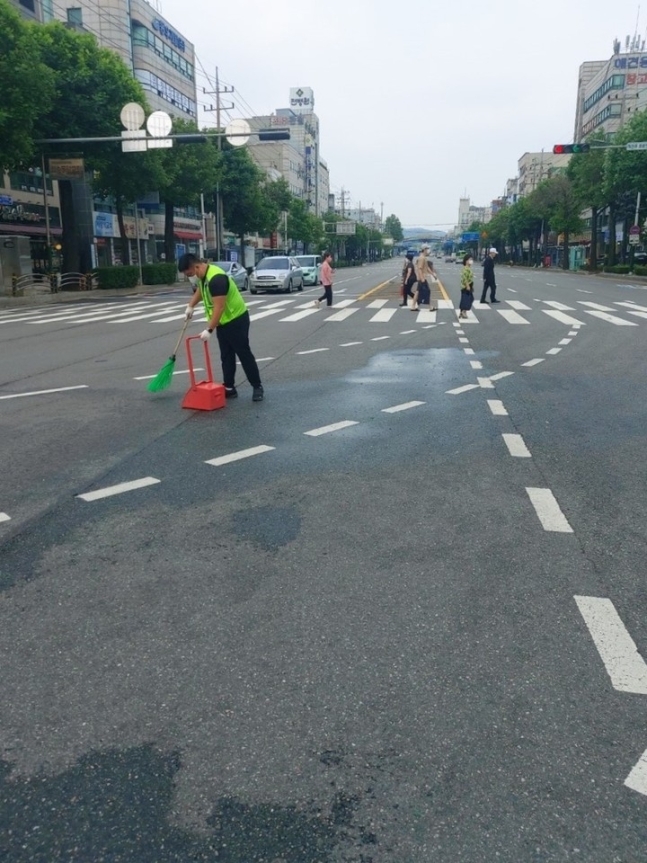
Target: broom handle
[186,324]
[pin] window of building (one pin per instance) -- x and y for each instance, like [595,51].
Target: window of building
[29,181]
[154,84]
[145,38]
[29,4]
[75,16]
[615,82]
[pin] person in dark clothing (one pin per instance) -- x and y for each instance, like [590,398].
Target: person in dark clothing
[489,280]
[408,279]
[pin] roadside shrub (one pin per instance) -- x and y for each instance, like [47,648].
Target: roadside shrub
[159,274]
[618,269]
[640,270]
[113,278]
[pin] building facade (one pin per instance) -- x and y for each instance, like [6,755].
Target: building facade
[534,168]
[610,92]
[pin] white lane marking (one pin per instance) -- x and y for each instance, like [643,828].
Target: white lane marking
[383,316]
[445,304]
[497,407]
[532,363]
[582,291]
[559,306]
[573,333]
[595,306]
[485,383]
[512,317]
[341,316]
[426,316]
[258,360]
[4,517]
[612,319]
[476,364]
[282,303]
[460,332]
[459,390]
[469,352]
[624,664]
[88,317]
[45,392]
[350,344]
[550,285]
[380,338]
[182,372]
[563,319]
[520,307]
[516,446]
[314,351]
[500,375]
[471,317]
[238,456]
[512,291]
[565,342]
[464,341]
[548,510]
[377,304]
[257,316]
[637,779]
[405,407]
[639,314]
[298,316]
[554,351]
[120,488]
[68,312]
[632,306]
[407,332]
[432,326]
[343,304]
[456,324]
[331,428]
[114,319]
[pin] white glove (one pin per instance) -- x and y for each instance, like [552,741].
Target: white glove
[188,313]
[205,335]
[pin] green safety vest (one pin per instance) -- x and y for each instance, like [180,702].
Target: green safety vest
[234,304]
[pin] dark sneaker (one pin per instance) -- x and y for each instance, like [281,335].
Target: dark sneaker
[257,395]
[231,393]
[496,301]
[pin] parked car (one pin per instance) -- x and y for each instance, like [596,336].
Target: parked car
[276,274]
[311,266]
[236,272]
[640,258]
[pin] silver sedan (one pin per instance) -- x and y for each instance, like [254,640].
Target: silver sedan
[277,274]
[235,272]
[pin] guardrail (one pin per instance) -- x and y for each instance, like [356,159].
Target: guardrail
[35,283]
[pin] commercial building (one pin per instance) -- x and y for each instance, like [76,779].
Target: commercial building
[610,92]
[534,168]
[27,203]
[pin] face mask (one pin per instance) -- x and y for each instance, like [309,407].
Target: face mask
[193,280]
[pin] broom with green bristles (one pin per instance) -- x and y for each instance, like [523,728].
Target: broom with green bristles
[163,378]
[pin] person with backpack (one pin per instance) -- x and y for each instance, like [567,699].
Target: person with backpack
[408,279]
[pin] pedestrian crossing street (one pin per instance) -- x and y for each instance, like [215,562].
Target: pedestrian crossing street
[292,310]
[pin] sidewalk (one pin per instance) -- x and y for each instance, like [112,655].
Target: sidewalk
[44,299]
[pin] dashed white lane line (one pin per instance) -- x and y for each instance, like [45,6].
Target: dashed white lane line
[548,510]
[573,332]
[380,338]
[181,372]
[501,375]
[476,364]
[331,428]
[120,488]
[460,390]
[554,351]
[485,383]
[532,363]
[497,407]
[464,341]
[516,446]
[4,517]
[512,317]
[239,456]
[350,344]
[469,352]
[512,291]
[405,407]
[550,285]
[313,351]
[617,649]
[407,332]
[45,392]
[565,342]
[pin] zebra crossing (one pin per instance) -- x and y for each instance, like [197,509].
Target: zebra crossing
[293,310]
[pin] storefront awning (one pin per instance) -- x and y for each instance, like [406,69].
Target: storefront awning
[187,235]
[28,230]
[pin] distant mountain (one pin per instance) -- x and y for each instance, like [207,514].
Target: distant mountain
[429,233]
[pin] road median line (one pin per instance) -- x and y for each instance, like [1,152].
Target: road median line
[377,288]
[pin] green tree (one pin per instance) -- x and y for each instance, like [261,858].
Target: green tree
[393,228]
[625,177]
[187,171]
[304,226]
[26,85]
[244,206]
[586,172]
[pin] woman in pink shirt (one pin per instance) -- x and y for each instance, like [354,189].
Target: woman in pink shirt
[327,274]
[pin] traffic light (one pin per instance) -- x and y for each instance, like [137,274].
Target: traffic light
[561,149]
[274,135]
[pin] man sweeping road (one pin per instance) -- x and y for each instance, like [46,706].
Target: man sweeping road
[227,314]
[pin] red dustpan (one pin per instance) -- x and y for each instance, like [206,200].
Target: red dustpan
[202,395]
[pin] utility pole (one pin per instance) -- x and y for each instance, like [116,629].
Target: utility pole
[343,198]
[218,92]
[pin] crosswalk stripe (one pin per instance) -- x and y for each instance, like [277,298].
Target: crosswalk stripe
[639,314]
[426,316]
[520,307]
[611,319]
[343,304]
[445,304]
[512,317]
[140,317]
[377,304]
[596,306]
[634,306]
[559,306]
[341,316]
[383,316]
[471,318]
[562,318]
[257,316]
[298,316]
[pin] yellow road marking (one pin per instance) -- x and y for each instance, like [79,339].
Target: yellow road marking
[373,290]
[443,291]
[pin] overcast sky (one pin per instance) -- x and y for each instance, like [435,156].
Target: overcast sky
[419,101]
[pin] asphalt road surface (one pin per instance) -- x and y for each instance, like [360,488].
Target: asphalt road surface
[394,613]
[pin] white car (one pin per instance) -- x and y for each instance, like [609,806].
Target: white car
[276,274]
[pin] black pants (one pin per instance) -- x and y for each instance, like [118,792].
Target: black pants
[327,295]
[492,286]
[233,339]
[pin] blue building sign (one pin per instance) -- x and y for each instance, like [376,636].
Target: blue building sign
[470,237]
[165,31]
[631,62]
